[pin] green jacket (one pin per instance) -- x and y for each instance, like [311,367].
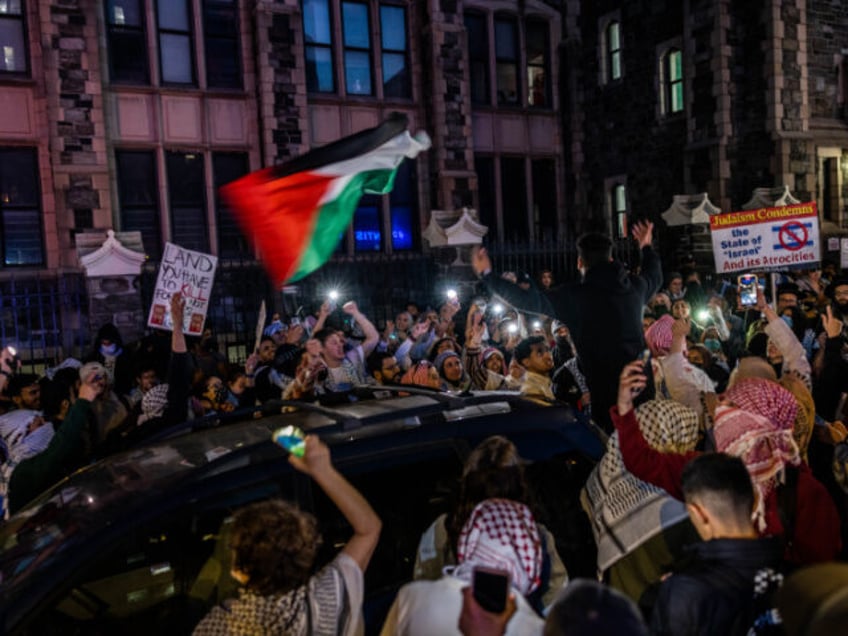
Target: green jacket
[69,449]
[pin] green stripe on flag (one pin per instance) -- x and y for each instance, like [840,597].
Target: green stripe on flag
[334,217]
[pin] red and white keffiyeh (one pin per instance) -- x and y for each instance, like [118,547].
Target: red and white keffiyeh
[764,447]
[658,336]
[766,398]
[502,534]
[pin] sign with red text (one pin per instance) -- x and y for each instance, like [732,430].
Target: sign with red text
[767,239]
[191,274]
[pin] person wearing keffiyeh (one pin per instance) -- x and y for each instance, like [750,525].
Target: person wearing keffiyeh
[499,534]
[273,549]
[769,452]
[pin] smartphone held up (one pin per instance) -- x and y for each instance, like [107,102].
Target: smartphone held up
[490,587]
[748,290]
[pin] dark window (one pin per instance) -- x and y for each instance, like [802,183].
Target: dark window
[830,189]
[514,198]
[138,194]
[367,224]
[357,48]
[317,29]
[613,51]
[402,207]
[20,207]
[13,49]
[127,43]
[172,570]
[672,74]
[221,43]
[229,166]
[188,203]
[175,58]
[478,56]
[538,65]
[544,199]
[506,59]
[395,62]
[485,169]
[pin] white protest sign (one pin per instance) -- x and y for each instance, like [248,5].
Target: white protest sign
[843,254]
[768,239]
[191,274]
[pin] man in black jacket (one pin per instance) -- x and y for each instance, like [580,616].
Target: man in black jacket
[715,591]
[603,311]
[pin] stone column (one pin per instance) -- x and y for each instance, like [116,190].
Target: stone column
[72,68]
[446,92]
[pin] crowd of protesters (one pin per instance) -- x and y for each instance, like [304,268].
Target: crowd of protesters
[726,468]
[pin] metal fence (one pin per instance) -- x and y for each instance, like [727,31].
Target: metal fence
[46,316]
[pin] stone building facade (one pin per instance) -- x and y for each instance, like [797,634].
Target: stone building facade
[548,117]
[760,103]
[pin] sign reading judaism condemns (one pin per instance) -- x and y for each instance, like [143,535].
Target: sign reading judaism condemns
[767,239]
[191,274]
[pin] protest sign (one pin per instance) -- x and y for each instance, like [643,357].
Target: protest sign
[767,239]
[843,254]
[191,274]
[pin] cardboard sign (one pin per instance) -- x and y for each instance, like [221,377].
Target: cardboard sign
[189,273]
[768,239]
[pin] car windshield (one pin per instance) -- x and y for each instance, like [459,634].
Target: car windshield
[86,500]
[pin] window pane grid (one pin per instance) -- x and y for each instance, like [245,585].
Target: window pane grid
[356,38]
[13,49]
[395,66]
[675,83]
[138,197]
[175,43]
[317,28]
[478,53]
[614,51]
[537,65]
[127,42]
[226,168]
[221,45]
[188,204]
[20,208]
[506,62]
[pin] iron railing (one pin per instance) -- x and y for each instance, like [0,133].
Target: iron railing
[45,315]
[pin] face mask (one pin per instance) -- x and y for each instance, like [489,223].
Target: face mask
[660,310]
[842,308]
[109,350]
[788,321]
[562,343]
[713,345]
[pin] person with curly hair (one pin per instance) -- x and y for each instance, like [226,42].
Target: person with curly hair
[274,546]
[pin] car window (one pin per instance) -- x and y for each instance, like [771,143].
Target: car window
[408,487]
[168,572]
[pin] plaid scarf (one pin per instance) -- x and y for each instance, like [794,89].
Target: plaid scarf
[762,445]
[502,534]
[626,511]
[766,398]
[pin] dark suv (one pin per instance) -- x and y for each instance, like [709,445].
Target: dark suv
[133,544]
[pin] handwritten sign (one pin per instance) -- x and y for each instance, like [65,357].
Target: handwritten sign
[189,273]
[768,239]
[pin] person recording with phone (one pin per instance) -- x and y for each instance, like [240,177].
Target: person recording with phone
[500,539]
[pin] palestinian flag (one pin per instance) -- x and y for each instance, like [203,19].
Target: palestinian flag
[295,212]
